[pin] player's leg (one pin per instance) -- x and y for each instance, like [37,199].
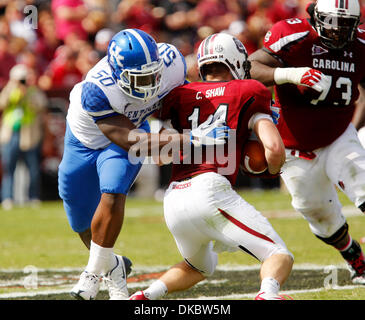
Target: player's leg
[116,176]
[193,215]
[178,278]
[181,276]
[241,226]
[108,219]
[313,195]
[78,185]
[346,168]
[274,271]
[196,248]
[105,224]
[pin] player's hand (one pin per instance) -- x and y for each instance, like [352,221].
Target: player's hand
[210,133]
[316,80]
[303,77]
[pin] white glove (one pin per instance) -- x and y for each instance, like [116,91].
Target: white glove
[308,77]
[210,133]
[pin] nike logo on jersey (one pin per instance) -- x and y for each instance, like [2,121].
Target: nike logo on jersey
[333,65]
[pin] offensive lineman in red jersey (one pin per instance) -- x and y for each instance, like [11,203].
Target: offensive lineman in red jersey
[200,205]
[316,66]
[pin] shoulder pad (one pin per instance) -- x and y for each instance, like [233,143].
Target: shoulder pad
[285,32]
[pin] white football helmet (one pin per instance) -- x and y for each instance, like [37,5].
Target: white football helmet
[226,49]
[336,21]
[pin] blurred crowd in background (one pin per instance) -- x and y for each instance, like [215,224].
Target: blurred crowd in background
[68,37]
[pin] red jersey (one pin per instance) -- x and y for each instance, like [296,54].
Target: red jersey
[237,101]
[309,120]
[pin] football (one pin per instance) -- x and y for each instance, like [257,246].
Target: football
[309,94]
[253,157]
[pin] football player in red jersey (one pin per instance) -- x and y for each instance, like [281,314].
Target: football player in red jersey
[316,66]
[200,205]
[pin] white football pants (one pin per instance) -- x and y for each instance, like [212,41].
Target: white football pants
[311,183]
[204,209]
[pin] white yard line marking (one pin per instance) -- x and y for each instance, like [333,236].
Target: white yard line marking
[289,292]
[65,288]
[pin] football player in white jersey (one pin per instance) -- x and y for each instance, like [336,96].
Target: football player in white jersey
[96,173]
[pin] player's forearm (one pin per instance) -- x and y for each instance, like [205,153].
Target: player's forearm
[270,76]
[152,144]
[141,143]
[273,144]
[274,153]
[262,73]
[121,131]
[275,160]
[263,67]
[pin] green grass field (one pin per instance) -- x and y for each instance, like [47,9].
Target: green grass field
[41,237]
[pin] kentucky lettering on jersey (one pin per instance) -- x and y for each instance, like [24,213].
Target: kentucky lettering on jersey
[135,116]
[98,96]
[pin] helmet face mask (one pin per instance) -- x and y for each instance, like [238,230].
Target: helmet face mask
[226,49]
[336,21]
[136,66]
[141,84]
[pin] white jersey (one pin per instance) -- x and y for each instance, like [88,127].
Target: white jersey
[98,96]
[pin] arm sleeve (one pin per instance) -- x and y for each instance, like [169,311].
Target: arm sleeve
[283,36]
[256,117]
[95,102]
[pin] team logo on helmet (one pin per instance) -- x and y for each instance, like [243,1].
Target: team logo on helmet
[239,45]
[219,48]
[115,52]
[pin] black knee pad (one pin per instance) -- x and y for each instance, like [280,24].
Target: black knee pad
[338,236]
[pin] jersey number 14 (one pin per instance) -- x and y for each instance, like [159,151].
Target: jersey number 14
[220,113]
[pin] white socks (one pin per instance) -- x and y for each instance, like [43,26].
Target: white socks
[101,260]
[156,290]
[270,285]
